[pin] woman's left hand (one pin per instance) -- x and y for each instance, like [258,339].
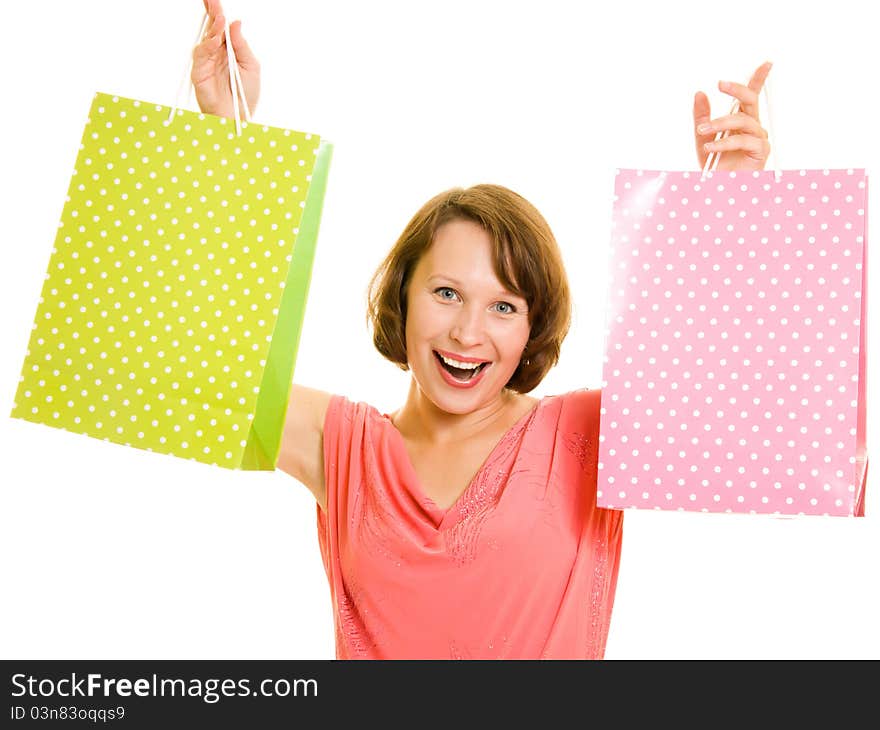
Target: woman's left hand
[746,147]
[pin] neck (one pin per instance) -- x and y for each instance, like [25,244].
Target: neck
[421,420]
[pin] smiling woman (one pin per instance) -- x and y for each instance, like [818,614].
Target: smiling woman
[463,524]
[522,94]
[473,493]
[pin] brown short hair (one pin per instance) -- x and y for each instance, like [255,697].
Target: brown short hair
[527,261]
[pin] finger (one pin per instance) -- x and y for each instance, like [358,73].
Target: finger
[756,147]
[216,27]
[213,8]
[748,99]
[702,111]
[215,14]
[739,122]
[243,53]
[756,83]
[701,108]
[206,50]
[211,42]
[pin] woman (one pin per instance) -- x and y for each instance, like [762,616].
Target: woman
[464,524]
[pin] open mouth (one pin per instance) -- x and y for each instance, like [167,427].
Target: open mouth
[468,372]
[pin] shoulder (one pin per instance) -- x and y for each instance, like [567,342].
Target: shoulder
[359,442]
[574,419]
[580,407]
[583,397]
[346,414]
[569,424]
[572,415]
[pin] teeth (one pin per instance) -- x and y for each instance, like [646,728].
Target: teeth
[462,365]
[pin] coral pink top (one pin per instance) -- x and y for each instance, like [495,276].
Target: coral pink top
[522,566]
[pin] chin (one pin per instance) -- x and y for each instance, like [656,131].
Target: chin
[461,401]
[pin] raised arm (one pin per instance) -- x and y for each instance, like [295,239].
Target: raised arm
[747,146]
[302,443]
[301,453]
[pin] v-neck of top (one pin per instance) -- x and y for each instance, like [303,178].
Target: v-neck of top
[440,517]
[522,566]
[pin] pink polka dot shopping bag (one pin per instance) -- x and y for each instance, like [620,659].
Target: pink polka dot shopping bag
[171,309]
[734,377]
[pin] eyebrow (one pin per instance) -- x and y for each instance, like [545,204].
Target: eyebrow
[456,282]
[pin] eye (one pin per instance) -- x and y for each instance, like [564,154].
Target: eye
[444,292]
[505,307]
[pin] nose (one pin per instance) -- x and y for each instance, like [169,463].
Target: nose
[468,327]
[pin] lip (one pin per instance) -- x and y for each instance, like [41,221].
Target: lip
[460,358]
[472,383]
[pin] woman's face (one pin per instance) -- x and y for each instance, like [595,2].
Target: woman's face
[465,333]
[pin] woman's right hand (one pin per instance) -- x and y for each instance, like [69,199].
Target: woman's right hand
[210,69]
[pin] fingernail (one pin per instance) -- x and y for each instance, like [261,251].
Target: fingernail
[724,85]
[708,146]
[704,128]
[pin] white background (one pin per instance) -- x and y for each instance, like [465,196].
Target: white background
[110,552]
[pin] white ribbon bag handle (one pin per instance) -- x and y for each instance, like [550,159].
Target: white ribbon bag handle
[235,82]
[712,160]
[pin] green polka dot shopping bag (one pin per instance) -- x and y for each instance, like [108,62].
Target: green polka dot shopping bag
[171,309]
